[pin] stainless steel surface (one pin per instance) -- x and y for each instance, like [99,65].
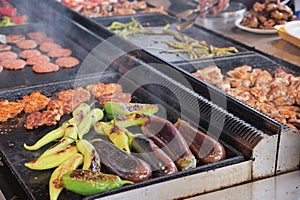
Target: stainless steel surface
[190,185]
[285,186]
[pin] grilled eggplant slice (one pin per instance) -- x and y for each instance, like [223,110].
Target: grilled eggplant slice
[167,137]
[204,147]
[120,163]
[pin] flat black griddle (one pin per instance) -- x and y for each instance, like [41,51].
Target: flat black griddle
[34,183]
[156,44]
[64,37]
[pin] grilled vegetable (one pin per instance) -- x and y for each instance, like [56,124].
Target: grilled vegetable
[114,108]
[69,137]
[92,117]
[115,134]
[86,182]
[159,161]
[53,160]
[55,182]
[121,163]
[78,114]
[91,156]
[167,137]
[204,147]
[132,119]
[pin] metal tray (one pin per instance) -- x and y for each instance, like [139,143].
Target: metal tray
[35,183]
[289,148]
[155,44]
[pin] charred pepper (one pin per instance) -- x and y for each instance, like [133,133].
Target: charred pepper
[55,182]
[115,134]
[86,182]
[114,108]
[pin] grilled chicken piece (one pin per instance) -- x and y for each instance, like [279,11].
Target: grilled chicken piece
[9,109]
[34,102]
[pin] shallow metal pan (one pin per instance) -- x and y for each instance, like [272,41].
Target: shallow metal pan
[156,44]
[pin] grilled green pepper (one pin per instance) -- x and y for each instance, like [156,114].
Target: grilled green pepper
[132,119]
[115,134]
[92,117]
[91,156]
[114,108]
[55,134]
[55,182]
[69,137]
[53,160]
[86,182]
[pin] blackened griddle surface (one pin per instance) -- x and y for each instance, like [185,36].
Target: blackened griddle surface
[71,36]
[156,44]
[35,183]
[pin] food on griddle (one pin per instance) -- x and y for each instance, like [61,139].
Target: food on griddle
[91,158]
[121,163]
[161,164]
[205,148]
[166,136]
[182,44]
[4,47]
[48,46]
[56,53]
[267,15]
[34,102]
[74,98]
[102,8]
[15,38]
[67,62]
[55,182]
[115,108]
[111,92]
[37,59]
[53,160]
[117,135]
[29,53]
[87,121]
[9,109]
[275,95]
[37,35]
[13,64]
[40,61]
[45,67]
[7,55]
[27,44]
[86,182]
[59,132]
